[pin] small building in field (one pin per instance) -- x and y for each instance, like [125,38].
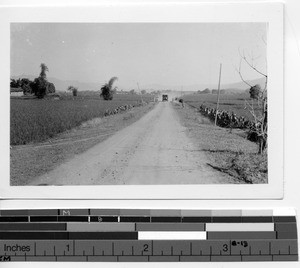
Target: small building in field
[16,94]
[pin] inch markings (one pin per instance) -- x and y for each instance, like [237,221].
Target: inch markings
[193,250]
[121,235]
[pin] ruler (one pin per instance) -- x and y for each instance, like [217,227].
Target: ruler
[119,235]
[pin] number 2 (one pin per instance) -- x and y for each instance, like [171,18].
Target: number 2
[146,246]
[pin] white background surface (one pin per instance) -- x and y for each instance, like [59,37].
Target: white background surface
[175,13]
[292,147]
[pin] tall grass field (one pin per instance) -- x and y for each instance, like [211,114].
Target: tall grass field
[35,120]
[235,103]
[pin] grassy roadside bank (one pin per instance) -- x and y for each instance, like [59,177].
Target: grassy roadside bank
[33,120]
[228,102]
[32,160]
[227,152]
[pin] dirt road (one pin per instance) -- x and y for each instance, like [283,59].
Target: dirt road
[153,150]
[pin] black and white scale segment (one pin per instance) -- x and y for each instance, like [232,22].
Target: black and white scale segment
[119,235]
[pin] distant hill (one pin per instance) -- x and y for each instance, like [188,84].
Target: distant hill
[230,88]
[243,86]
[62,85]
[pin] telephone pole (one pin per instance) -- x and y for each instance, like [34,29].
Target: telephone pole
[140,91]
[218,94]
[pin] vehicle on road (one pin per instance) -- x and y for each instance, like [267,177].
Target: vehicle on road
[164,97]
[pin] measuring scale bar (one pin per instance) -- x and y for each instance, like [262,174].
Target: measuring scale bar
[148,235]
[172,235]
[131,227]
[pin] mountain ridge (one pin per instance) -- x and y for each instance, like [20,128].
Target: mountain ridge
[62,85]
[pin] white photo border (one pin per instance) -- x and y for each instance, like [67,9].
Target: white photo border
[271,13]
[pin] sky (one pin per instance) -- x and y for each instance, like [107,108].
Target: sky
[176,54]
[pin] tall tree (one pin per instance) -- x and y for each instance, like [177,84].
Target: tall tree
[74,90]
[259,114]
[41,84]
[44,69]
[107,90]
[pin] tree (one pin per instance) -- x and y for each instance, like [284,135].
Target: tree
[40,87]
[74,90]
[143,91]
[260,117]
[132,91]
[40,84]
[50,88]
[255,92]
[107,90]
[15,83]
[26,85]
[44,69]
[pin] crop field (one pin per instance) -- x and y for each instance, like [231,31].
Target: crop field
[35,120]
[228,102]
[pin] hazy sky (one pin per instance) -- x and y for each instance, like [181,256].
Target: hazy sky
[148,53]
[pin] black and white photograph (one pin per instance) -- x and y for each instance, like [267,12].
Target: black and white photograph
[138,103]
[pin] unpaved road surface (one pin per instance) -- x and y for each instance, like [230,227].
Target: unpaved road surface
[153,150]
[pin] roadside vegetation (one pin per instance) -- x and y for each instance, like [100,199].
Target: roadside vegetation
[33,120]
[35,159]
[227,151]
[234,103]
[107,90]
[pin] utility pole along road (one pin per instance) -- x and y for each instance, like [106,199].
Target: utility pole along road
[153,150]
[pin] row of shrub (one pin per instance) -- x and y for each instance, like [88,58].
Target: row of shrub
[225,118]
[123,108]
[118,110]
[231,120]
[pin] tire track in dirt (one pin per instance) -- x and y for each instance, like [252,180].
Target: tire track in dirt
[153,150]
